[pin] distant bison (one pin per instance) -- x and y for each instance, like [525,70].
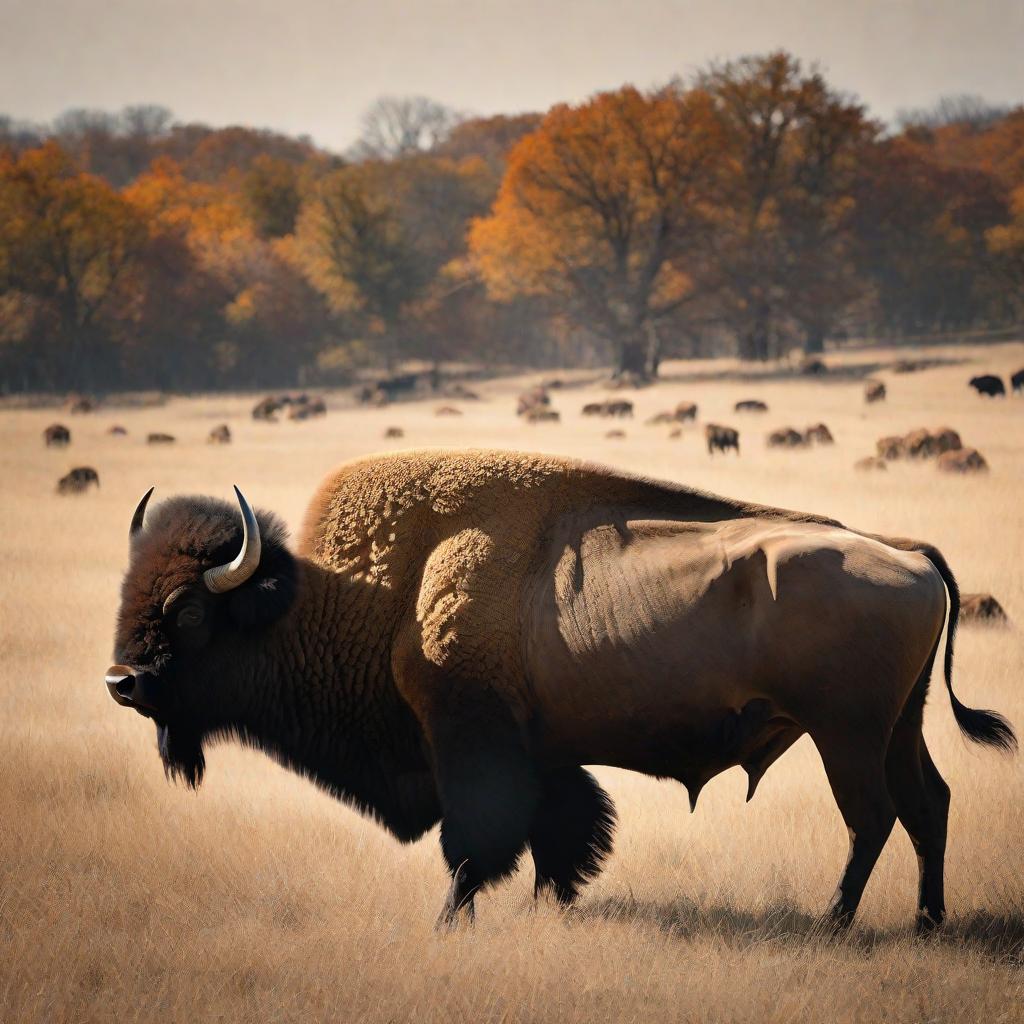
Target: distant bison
[819,434]
[159,438]
[219,435]
[266,409]
[946,439]
[532,399]
[721,438]
[609,408]
[874,391]
[56,435]
[982,608]
[870,464]
[889,447]
[786,437]
[393,432]
[750,405]
[447,410]
[962,460]
[1017,381]
[988,384]
[813,366]
[117,430]
[919,444]
[685,411]
[77,405]
[78,480]
[540,414]
[461,392]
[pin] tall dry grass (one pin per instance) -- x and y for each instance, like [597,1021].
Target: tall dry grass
[123,898]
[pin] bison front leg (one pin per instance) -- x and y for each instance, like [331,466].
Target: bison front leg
[571,833]
[857,777]
[489,794]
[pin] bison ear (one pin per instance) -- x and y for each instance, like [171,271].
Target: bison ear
[264,598]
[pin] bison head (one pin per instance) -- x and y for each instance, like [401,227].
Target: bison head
[201,587]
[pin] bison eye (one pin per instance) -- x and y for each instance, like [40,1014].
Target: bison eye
[190,615]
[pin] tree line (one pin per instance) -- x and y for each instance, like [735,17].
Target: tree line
[752,209]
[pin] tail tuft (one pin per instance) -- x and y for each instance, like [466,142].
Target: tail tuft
[987,727]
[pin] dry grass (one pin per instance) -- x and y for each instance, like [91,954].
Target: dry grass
[123,898]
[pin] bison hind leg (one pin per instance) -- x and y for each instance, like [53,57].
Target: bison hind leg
[572,832]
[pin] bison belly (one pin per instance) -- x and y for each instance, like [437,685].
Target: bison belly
[650,637]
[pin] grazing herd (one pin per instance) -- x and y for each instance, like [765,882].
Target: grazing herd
[300,407]
[81,478]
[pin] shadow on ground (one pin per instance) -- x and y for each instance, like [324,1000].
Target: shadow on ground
[1000,936]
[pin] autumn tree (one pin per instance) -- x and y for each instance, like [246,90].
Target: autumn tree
[270,193]
[67,241]
[397,126]
[782,248]
[374,237]
[604,209]
[1006,244]
[921,238]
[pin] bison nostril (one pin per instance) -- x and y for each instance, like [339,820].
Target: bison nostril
[125,686]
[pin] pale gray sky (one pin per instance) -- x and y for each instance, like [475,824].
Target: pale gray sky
[312,66]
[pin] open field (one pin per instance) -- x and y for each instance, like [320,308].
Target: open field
[123,898]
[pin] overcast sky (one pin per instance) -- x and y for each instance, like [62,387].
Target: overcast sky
[312,66]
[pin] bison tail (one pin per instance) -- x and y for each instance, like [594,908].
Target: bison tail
[985,727]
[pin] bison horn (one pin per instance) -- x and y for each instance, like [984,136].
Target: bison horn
[140,515]
[223,578]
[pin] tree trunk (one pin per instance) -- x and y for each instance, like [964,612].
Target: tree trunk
[633,357]
[754,341]
[814,341]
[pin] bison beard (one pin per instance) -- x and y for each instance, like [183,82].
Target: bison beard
[181,750]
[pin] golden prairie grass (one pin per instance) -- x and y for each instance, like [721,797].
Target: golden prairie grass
[123,898]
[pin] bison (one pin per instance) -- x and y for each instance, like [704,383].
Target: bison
[962,460]
[532,399]
[685,411]
[78,480]
[983,608]
[870,464]
[160,438]
[890,447]
[874,391]
[219,435]
[919,444]
[394,432]
[56,435]
[266,409]
[541,414]
[812,366]
[610,407]
[988,384]
[786,437]
[447,410]
[750,405]
[1017,381]
[721,438]
[818,433]
[78,405]
[457,633]
[945,439]
[117,430]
